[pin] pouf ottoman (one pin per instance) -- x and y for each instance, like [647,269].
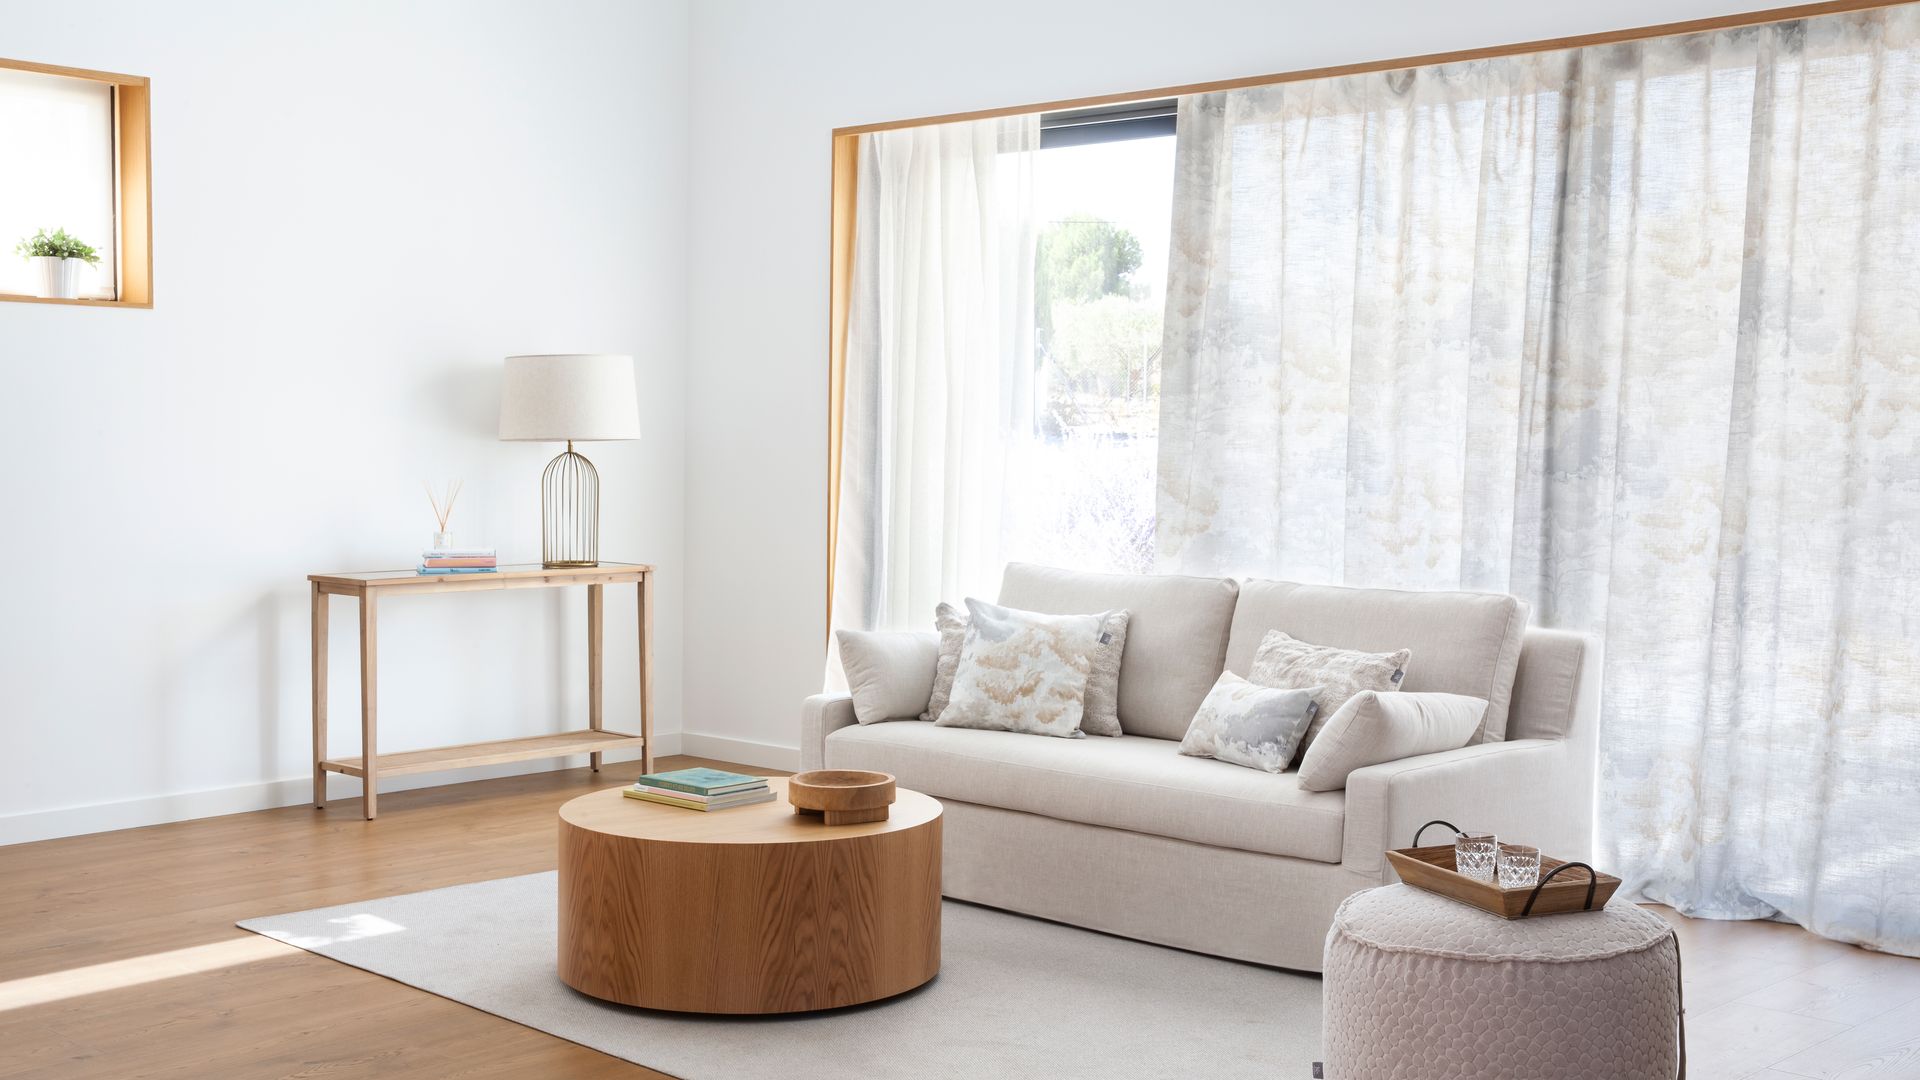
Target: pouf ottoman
[1420,987]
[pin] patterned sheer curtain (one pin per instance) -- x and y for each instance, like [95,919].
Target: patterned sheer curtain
[939,366]
[1630,332]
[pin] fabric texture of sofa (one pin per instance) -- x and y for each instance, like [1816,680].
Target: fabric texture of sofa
[1127,836]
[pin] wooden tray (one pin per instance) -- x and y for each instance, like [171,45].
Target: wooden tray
[1578,889]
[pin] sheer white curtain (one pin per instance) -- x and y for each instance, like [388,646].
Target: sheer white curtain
[939,366]
[1630,332]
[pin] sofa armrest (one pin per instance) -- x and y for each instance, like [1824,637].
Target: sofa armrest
[1515,789]
[820,716]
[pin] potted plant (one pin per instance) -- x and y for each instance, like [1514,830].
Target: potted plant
[57,257]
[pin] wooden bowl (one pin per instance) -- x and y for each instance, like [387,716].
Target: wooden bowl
[841,796]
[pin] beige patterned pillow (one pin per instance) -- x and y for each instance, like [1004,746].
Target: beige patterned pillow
[1242,723]
[1286,661]
[1102,705]
[1022,671]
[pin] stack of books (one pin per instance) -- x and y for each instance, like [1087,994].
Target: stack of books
[701,789]
[459,561]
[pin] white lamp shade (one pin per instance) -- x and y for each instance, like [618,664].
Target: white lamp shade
[583,397]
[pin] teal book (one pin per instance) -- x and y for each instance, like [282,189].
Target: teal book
[702,781]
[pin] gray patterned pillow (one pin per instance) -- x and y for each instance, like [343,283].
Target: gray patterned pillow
[1336,674]
[1102,705]
[1103,682]
[1245,724]
[951,622]
[1022,671]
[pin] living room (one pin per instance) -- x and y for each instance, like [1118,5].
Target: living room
[1033,540]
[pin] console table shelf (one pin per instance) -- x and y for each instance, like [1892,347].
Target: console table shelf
[593,740]
[495,752]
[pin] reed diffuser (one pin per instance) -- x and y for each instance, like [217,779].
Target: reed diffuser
[442,513]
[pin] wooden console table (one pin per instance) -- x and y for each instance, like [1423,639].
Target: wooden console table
[369,587]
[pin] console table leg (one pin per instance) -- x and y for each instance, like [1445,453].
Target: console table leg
[596,640]
[319,645]
[369,738]
[646,671]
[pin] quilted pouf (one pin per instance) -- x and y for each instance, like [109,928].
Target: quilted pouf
[1419,987]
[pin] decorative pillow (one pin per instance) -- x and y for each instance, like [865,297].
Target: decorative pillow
[1374,728]
[1101,713]
[1245,724]
[889,675]
[1338,674]
[951,623]
[1022,671]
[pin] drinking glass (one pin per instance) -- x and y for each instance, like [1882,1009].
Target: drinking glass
[1519,866]
[1474,855]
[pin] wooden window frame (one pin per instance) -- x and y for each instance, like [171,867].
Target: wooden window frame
[846,166]
[133,186]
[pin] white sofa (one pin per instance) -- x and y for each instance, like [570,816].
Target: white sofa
[1128,836]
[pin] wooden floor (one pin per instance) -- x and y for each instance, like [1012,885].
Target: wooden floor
[119,957]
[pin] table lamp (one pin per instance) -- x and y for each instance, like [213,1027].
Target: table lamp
[570,397]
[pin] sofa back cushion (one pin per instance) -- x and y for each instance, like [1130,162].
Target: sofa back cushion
[1462,642]
[1176,634]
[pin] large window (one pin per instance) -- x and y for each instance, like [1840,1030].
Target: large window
[1083,495]
[75,145]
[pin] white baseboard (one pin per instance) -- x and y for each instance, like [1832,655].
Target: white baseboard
[161,809]
[740,751]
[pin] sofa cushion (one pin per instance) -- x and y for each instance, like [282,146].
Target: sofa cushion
[1176,634]
[1138,784]
[1462,642]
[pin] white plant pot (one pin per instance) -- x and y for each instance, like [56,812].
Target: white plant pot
[59,278]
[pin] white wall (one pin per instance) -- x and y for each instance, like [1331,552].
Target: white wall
[770,82]
[359,208]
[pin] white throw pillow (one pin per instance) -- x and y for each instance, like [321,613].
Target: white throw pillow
[1373,728]
[1246,724]
[1022,671]
[889,674]
[1101,711]
[1285,661]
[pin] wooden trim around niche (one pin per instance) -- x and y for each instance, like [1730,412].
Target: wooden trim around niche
[846,182]
[133,161]
[1579,41]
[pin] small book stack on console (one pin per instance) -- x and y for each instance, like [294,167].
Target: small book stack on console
[459,561]
[701,789]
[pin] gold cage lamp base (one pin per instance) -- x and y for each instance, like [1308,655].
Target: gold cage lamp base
[569,512]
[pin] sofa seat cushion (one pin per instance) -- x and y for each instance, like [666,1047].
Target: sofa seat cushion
[1464,643]
[1176,634]
[1132,782]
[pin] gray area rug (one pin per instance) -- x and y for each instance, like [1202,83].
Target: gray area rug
[1016,998]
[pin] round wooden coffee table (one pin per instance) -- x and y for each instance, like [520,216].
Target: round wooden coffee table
[756,909]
